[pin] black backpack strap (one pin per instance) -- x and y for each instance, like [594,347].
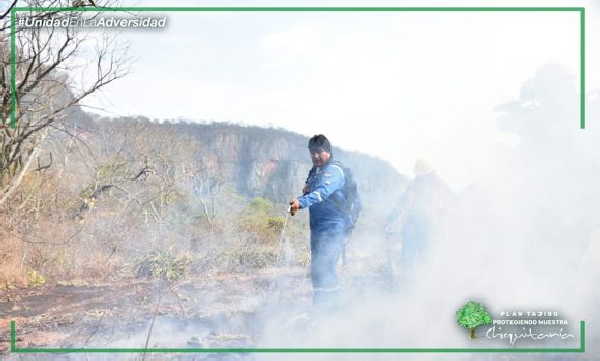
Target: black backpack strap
[310,173]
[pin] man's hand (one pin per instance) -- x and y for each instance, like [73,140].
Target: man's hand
[294,206]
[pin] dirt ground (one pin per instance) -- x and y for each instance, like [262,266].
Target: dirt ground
[217,311]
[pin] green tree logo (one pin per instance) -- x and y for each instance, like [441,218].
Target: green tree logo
[471,315]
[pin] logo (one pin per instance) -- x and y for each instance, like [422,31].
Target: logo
[515,327]
[471,316]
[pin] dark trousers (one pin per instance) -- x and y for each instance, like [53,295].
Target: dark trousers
[326,248]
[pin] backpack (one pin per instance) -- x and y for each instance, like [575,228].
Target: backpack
[352,205]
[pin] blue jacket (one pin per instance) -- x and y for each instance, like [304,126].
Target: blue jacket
[324,195]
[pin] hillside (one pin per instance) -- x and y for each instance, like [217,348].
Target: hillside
[261,162]
[190,210]
[123,188]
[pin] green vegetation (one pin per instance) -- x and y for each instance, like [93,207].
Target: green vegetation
[34,279]
[180,200]
[163,265]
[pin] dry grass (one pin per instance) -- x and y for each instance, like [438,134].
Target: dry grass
[12,268]
[46,239]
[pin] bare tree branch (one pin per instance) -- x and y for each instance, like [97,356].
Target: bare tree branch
[10,189]
[8,10]
[44,68]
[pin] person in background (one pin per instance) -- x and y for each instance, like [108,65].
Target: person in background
[412,225]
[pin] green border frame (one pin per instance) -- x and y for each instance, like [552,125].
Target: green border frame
[581,10]
[15,349]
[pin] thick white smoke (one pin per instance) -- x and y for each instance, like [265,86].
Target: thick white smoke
[524,236]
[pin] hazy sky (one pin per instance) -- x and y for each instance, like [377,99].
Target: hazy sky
[398,85]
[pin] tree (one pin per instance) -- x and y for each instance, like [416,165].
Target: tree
[472,315]
[47,60]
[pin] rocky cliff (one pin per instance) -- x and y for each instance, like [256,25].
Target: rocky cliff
[255,162]
[273,163]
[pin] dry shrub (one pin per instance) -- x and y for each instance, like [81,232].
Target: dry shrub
[29,219]
[163,265]
[12,268]
[247,257]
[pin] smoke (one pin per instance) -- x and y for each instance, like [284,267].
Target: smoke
[522,237]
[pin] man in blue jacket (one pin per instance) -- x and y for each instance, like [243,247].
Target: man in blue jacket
[323,194]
